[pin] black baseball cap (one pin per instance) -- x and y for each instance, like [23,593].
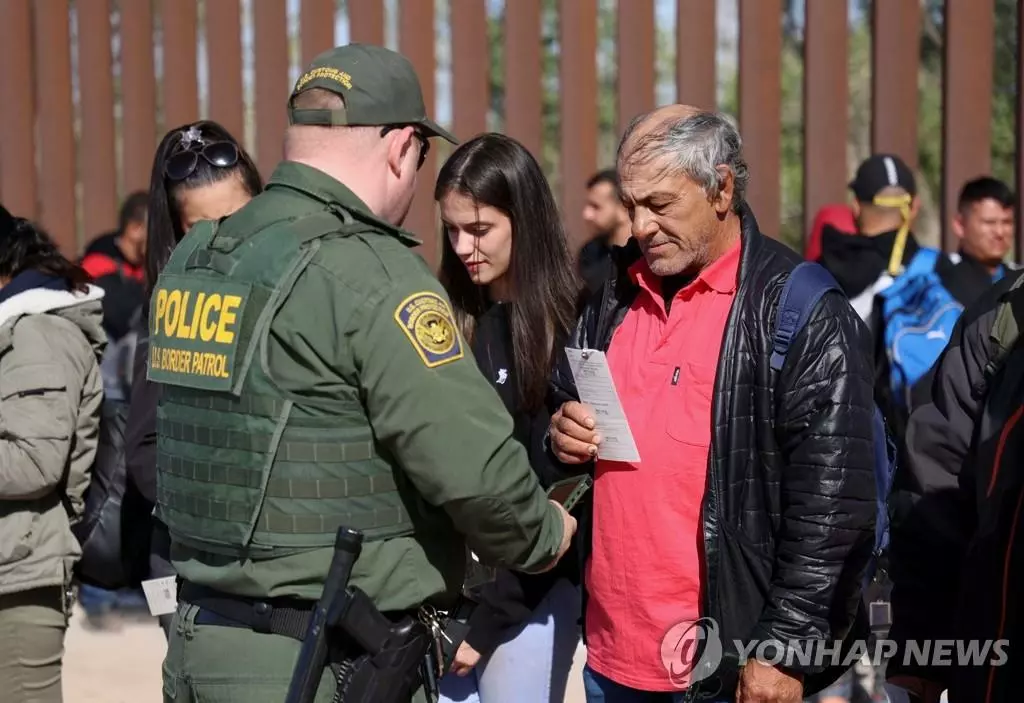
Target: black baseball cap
[882,171]
[379,86]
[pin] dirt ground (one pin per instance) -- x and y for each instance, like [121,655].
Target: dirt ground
[122,664]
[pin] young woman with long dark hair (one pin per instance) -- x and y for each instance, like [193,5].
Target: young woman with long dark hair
[507,268]
[51,391]
[200,173]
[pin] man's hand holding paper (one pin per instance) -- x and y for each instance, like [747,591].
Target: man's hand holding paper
[597,427]
[573,437]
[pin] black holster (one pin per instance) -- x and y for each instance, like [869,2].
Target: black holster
[375,660]
[380,661]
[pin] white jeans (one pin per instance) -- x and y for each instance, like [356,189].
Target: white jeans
[532,660]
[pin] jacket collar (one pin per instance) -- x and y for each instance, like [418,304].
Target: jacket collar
[316,184]
[751,243]
[859,261]
[29,280]
[719,276]
[981,269]
[41,300]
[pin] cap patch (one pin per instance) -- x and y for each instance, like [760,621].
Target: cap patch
[428,322]
[890,171]
[327,72]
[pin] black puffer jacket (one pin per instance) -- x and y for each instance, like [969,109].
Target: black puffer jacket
[957,550]
[789,513]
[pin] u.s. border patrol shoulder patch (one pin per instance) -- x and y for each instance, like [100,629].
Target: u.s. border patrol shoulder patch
[428,322]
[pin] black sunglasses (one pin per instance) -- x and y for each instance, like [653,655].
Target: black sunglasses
[183,164]
[424,142]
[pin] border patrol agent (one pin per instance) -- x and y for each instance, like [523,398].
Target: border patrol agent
[312,376]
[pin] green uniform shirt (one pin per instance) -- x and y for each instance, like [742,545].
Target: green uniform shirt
[362,316]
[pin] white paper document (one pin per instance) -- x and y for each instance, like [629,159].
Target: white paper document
[597,389]
[161,595]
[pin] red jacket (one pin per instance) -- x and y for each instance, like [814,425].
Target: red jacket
[839,216]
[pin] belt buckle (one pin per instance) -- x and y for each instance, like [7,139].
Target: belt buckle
[261,616]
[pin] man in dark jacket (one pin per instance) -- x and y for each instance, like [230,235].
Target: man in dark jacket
[861,262]
[609,221]
[753,503]
[984,225]
[115,262]
[869,262]
[956,556]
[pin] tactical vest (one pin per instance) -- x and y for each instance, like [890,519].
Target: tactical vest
[243,468]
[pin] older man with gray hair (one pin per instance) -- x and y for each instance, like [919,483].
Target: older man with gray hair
[748,520]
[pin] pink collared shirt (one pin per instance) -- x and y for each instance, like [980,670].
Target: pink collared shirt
[644,574]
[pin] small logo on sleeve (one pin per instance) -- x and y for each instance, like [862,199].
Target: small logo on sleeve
[428,322]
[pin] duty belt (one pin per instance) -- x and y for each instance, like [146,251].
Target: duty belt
[278,616]
[285,616]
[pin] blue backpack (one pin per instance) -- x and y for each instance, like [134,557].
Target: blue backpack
[806,285]
[918,316]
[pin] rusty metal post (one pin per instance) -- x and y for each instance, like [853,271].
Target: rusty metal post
[317,28]
[17,111]
[224,61]
[825,107]
[696,44]
[416,38]
[56,128]
[471,63]
[523,74]
[636,46]
[271,32]
[366,21]
[966,102]
[760,89]
[578,36]
[138,94]
[95,74]
[895,59]
[181,94]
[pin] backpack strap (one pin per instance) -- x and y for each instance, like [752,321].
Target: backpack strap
[923,262]
[806,285]
[1005,333]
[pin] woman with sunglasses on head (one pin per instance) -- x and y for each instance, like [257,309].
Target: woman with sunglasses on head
[508,271]
[200,173]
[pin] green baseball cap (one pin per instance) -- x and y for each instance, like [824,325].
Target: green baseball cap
[379,87]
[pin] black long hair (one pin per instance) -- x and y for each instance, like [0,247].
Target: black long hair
[496,170]
[26,247]
[164,225]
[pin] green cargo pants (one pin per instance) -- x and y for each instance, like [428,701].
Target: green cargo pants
[212,664]
[32,627]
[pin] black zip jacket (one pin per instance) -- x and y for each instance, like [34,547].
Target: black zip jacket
[789,510]
[967,279]
[513,596]
[957,553]
[143,534]
[856,260]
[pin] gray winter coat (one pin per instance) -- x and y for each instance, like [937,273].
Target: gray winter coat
[51,391]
